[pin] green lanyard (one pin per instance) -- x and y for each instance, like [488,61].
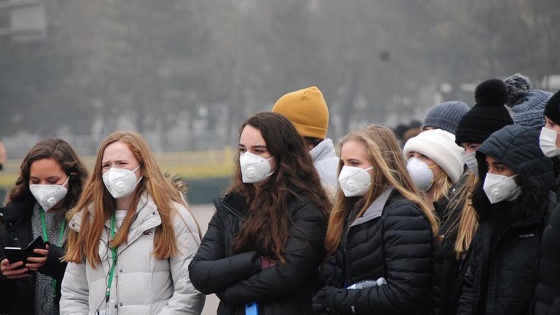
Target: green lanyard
[114,253]
[46,238]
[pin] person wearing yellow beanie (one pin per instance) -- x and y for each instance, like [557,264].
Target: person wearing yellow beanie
[308,112]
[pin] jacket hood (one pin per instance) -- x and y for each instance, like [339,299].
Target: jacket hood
[518,147]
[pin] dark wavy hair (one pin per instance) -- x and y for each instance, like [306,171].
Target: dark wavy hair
[267,225]
[60,151]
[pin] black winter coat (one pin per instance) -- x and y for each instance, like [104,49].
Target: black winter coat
[547,294]
[237,279]
[502,270]
[17,297]
[393,240]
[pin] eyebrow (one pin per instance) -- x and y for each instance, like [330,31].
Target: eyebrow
[120,160]
[496,163]
[255,146]
[57,177]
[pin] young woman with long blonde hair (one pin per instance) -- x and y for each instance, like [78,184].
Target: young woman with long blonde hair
[380,233]
[132,238]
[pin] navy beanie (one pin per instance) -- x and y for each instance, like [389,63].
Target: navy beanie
[446,115]
[552,108]
[488,114]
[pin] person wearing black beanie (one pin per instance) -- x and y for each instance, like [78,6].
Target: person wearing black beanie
[488,114]
[459,221]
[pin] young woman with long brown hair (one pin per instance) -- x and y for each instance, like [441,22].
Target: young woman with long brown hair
[132,238]
[50,182]
[380,233]
[265,242]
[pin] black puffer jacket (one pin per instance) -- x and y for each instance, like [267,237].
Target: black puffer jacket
[547,294]
[18,296]
[393,240]
[503,267]
[237,279]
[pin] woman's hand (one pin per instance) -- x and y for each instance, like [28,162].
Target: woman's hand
[11,271]
[34,263]
[266,263]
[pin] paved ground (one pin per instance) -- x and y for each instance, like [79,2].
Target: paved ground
[203,213]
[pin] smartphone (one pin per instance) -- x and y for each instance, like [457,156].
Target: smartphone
[252,308]
[15,254]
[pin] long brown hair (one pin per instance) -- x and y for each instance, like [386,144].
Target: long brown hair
[389,170]
[60,151]
[97,205]
[267,225]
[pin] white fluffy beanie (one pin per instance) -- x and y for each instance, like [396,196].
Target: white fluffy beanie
[438,145]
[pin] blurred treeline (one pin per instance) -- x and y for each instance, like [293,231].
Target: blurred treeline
[204,65]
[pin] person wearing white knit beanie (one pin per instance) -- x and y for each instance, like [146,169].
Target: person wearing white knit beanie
[434,162]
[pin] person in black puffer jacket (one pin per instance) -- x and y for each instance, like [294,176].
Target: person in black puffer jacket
[380,233]
[512,199]
[265,242]
[458,217]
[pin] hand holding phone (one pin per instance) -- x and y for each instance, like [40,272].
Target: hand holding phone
[17,254]
[16,270]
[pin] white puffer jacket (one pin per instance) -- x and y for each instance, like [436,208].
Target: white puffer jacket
[142,284]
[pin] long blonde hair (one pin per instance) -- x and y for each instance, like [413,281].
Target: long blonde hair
[466,222]
[97,205]
[441,186]
[389,169]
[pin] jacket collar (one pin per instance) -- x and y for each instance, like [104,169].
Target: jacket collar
[147,217]
[375,210]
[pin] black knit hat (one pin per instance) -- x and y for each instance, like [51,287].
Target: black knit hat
[552,108]
[488,114]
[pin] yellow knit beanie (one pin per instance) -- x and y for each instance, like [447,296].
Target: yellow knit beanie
[307,110]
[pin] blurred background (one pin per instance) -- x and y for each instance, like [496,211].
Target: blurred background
[186,73]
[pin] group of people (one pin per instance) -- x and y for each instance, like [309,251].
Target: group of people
[459,219]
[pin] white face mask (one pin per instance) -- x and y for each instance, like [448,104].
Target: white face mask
[120,182]
[48,195]
[254,168]
[470,160]
[421,173]
[547,142]
[499,188]
[354,181]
